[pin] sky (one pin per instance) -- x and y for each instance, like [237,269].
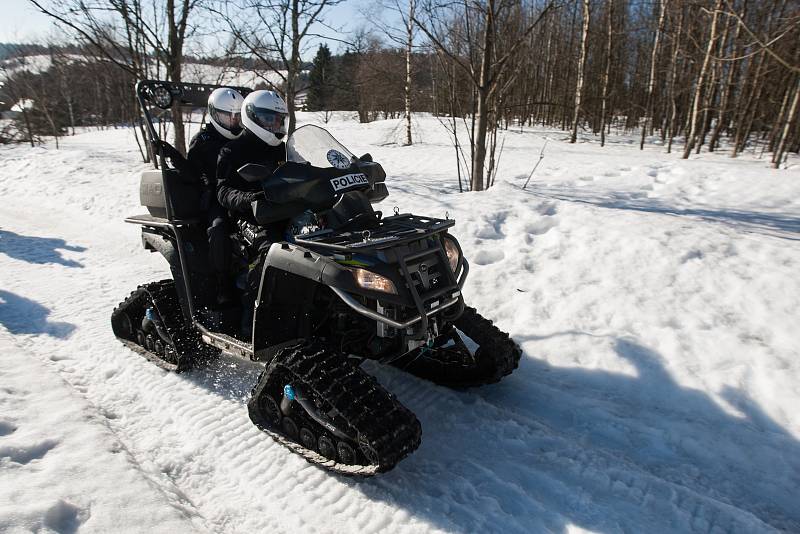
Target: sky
[22,23]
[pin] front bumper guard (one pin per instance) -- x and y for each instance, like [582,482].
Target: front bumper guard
[376,316]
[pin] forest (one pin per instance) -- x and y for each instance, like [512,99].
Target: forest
[691,76]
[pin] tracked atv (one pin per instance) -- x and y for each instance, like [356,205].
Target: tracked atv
[347,284]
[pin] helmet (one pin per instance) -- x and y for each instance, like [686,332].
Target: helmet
[264,114]
[224,110]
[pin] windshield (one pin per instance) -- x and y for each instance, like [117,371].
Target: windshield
[315,145]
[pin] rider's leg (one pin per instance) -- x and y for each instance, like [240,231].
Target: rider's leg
[220,252]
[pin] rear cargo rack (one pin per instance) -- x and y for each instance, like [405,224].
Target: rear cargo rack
[392,231]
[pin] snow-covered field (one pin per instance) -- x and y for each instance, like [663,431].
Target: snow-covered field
[657,301]
[192,72]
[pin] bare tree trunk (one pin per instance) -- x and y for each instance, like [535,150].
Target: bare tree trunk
[581,67]
[472,116]
[294,67]
[455,127]
[483,96]
[777,156]
[565,121]
[175,61]
[727,87]
[492,148]
[139,144]
[777,127]
[749,111]
[434,99]
[714,88]
[546,115]
[27,121]
[409,42]
[698,92]
[480,140]
[651,81]
[606,73]
[705,122]
[673,74]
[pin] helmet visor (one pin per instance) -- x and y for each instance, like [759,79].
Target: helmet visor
[230,120]
[270,120]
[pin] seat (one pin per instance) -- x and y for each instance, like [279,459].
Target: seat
[186,194]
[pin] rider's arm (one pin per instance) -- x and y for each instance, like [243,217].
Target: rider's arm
[231,188]
[203,155]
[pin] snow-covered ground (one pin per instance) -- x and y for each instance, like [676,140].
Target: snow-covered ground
[657,301]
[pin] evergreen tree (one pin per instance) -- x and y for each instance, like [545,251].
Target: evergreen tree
[320,80]
[343,82]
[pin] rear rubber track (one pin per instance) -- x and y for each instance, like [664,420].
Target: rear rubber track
[184,348]
[383,431]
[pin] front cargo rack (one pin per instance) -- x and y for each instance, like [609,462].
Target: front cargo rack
[392,231]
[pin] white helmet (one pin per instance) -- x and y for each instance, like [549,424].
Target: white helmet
[225,111]
[264,114]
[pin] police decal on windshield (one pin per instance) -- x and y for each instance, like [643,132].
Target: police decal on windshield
[348,180]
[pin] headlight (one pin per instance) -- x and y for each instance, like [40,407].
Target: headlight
[453,255]
[373,281]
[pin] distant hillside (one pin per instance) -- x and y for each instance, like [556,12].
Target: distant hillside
[192,72]
[8,50]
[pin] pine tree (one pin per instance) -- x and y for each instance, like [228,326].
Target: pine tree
[320,80]
[344,87]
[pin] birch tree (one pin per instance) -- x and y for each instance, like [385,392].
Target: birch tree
[607,71]
[698,92]
[581,68]
[409,24]
[652,78]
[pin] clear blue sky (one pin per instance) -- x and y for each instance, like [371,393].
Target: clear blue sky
[21,22]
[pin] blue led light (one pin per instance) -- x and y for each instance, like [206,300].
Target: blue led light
[288,392]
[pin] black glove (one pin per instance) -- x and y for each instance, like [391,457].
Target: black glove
[259,195]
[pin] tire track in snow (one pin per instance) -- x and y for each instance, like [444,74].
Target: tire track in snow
[560,456]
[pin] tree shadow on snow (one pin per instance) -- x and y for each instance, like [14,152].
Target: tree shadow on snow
[24,316]
[38,250]
[773,224]
[551,447]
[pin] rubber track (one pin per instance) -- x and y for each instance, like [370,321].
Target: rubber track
[162,296]
[358,403]
[497,356]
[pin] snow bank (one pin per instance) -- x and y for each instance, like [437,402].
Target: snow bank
[656,300]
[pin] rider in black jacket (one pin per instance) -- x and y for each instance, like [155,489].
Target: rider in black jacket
[234,192]
[224,112]
[264,122]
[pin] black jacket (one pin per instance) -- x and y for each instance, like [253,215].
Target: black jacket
[234,192]
[204,151]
